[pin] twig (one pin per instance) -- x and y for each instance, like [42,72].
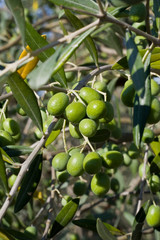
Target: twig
[13,67]
[143,180]
[130,190]
[101,7]
[95,72]
[64,136]
[49,220]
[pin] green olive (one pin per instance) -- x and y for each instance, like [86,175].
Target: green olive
[100,184]
[75,112]
[79,188]
[88,127]
[89,94]
[92,163]
[153,216]
[113,159]
[57,104]
[75,164]
[60,160]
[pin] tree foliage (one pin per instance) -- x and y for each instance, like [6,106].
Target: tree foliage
[79,119]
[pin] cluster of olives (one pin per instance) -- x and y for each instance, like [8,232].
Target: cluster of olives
[128,96]
[86,115]
[76,164]
[10,132]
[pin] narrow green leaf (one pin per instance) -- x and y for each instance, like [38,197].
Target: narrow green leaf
[120,64]
[52,137]
[17,10]
[35,41]
[140,75]
[135,64]
[155,165]
[15,150]
[155,146]
[51,66]
[26,98]
[155,59]
[29,184]
[77,24]
[4,235]
[156,64]
[90,224]
[3,175]
[89,5]
[16,234]
[156,9]
[64,216]
[103,232]
[139,221]
[5,156]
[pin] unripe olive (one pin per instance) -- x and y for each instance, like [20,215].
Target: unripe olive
[62,176]
[11,126]
[100,184]
[153,216]
[75,164]
[148,135]
[141,169]
[75,112]
[59,162]
[79,188]
[88,127]
[57,104]
[113,159]
[89,94]
[154,115]
[5,139]
[74,131]
[31,232]
[155,88]
[154,182]
[115,185]
[96,109]
[92,163]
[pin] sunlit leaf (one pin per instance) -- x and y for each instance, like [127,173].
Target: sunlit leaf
[155,146]
[89,5]
[64,216]
[52,137]
[103,232]
[6,157]
[77,23]
[139,221]
[35,41]
[155,165]
[4,235]
[16,234]
[51,66]
[90,224]
[26,98]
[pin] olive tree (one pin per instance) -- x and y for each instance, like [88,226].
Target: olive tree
[79,119]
